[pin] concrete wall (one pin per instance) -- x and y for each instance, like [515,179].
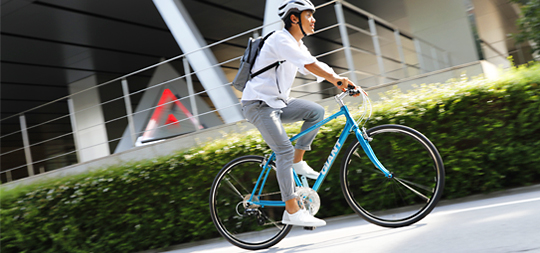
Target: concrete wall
[445,24]
[187,141]
[495,21]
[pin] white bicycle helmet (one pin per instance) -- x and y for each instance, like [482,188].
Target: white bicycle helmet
[289,6]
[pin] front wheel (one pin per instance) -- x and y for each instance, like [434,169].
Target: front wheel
[410,194]
[243,224]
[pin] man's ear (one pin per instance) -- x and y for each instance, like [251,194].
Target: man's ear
[294,18]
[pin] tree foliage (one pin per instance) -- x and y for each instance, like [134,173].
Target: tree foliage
[529,23]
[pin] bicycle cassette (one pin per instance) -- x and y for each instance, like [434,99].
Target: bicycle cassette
[308,199]
[246,202]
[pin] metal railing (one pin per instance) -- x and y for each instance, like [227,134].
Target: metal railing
[370,51]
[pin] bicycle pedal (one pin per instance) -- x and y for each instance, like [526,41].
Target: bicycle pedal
[309,228]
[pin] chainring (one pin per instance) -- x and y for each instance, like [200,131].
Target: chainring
[308,199]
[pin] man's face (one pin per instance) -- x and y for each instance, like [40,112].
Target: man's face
[308,22]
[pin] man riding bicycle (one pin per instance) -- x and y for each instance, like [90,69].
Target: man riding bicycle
[266,102]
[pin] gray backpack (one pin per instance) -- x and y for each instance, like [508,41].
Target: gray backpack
[246,63]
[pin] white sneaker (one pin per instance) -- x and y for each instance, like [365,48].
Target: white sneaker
[302,168]
[302,218]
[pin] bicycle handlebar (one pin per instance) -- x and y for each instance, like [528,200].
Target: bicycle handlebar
[351,89]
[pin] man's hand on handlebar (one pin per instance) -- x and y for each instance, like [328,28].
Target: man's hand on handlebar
[353,89]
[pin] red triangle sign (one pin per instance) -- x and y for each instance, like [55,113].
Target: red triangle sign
[170,118]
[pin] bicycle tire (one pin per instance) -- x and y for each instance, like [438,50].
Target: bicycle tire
[248,227]
[413,191]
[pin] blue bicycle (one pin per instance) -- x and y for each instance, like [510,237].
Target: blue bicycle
[391,175]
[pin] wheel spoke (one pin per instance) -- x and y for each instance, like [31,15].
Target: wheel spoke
[412,189]
[427,188]
[234,188]
[240,183]
[373,169]
[376,170]
[272,222]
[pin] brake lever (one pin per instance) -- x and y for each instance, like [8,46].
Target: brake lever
[350,89]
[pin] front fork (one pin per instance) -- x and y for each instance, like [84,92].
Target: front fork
[364,139]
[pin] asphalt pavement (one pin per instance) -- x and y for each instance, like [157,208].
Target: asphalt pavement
[507,221]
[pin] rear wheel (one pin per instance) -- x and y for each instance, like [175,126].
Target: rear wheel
[247,226]
[413,191]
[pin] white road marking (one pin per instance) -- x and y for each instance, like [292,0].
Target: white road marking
[485,207]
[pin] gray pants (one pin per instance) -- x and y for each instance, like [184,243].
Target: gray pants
[269,122]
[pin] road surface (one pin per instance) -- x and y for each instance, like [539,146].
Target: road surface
[500,222]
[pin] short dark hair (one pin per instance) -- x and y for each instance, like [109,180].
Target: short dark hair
[288,22]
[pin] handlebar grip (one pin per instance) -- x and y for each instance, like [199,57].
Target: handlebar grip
[351,88]
[353,92]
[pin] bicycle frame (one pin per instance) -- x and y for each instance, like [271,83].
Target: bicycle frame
[350,126]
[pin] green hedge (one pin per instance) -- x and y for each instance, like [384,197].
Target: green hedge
[488,133]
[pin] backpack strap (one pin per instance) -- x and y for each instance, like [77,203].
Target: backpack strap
[273,65]
[268,35]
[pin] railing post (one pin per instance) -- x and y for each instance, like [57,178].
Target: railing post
[435,58]
[129,111]
[8,176]
[397,37]
[73,120]
[446,58]
[26,143]
[191,91]
[377,46]
[345,40]
[419,55]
